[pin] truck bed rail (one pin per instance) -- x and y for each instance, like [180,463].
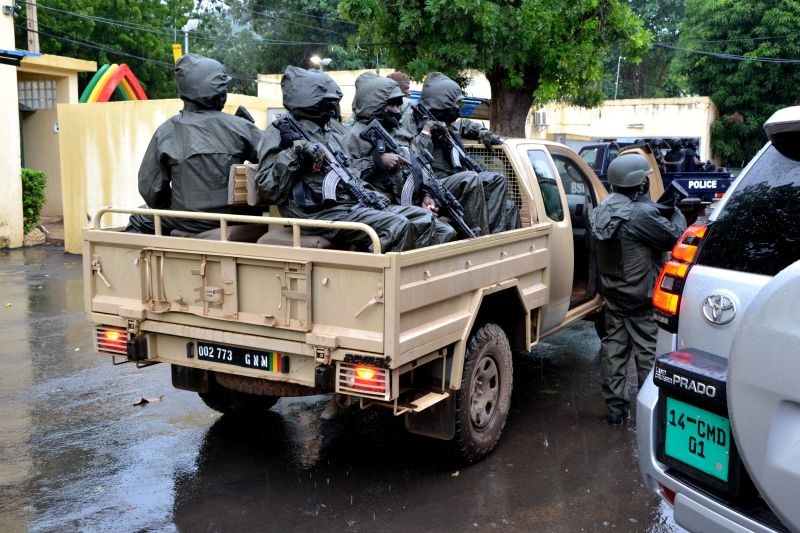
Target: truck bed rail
[224,219]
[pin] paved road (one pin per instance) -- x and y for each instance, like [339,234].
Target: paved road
[77,455]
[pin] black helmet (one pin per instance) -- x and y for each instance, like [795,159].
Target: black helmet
[628,170]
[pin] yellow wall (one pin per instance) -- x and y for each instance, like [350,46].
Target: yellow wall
[101,147]
[40,138]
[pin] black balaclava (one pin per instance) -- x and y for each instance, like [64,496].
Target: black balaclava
[442,96]
[310,94]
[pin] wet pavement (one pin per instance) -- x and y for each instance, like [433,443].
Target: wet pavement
[77,455]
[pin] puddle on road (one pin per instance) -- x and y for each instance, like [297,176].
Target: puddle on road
[76,455]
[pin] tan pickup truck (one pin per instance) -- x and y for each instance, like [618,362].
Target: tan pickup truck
[427,333]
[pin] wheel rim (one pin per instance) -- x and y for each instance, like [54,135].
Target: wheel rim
[485,392]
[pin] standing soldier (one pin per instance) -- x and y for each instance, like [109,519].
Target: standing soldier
[293,171]
[631,238]
[442,96]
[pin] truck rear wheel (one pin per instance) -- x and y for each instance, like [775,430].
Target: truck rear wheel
[231,402]
[483,401]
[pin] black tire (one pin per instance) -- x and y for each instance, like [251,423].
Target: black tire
[231,402]
[484,399]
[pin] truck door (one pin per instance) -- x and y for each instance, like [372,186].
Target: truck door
[554,207]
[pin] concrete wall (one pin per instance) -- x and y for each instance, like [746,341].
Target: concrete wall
[40,128]
[101,148]
[269,85]
[656,117]
[10,183]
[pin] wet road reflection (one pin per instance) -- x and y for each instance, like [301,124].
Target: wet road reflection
[75,454]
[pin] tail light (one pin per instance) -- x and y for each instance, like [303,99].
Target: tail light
[668,289]
[360,380]
[111,340]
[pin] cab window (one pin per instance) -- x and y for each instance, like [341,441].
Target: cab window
[547,184]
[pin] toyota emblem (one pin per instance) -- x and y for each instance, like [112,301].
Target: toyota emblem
[719,309]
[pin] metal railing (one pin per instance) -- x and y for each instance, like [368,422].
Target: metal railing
[224,219]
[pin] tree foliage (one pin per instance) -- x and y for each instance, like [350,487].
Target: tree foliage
[542,49]
[264,36]
[745,88]
[139,33]
[653,76]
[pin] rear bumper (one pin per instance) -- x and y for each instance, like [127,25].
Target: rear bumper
[693,509]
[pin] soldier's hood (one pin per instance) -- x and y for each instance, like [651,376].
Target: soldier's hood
[440,92]
[201,79]
[306,88]
[607,217]
[372,93]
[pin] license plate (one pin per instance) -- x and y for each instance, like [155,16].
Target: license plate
[233,355]
[697,438]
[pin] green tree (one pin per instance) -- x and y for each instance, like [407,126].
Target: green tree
[652,77]
[530,50]
[139,33]
[264,36]
[742,67]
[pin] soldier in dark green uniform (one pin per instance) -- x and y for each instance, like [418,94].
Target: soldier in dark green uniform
[631,238]
[379,98]
[187,163]
[291,172]
[443,97]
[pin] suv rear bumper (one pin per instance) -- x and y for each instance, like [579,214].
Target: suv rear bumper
[693,509]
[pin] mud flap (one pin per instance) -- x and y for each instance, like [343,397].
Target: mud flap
[191,379]
[437,421]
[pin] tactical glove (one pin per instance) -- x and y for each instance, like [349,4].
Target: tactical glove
[488,138]
[438,130]
[288,136]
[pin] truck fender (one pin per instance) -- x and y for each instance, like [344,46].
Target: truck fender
[502,304]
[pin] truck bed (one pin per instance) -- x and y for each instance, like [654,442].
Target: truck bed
[300,305]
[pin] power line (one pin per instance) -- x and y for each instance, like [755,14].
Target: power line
[316,28]
[103,48]
[735,57]
[318,17]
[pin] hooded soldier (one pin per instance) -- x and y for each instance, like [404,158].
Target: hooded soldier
[443,97]
[379,98]
[187,163]
[292,171]
[631,238]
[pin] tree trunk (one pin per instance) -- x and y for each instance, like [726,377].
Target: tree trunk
[510,106]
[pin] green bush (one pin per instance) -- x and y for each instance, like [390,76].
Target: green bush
[33,185]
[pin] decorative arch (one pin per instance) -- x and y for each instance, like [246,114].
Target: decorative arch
[113,79]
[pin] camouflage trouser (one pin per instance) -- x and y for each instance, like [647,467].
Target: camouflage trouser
[466,187]
[625,337]
[398,227]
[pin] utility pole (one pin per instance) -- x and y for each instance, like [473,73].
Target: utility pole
[33,27]
[616,84]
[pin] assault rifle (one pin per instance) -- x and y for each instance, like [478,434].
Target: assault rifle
[673,195]
[458,157]
[242,112]
[336,169]
[419,172]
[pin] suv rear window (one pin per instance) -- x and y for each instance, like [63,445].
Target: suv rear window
[758,230]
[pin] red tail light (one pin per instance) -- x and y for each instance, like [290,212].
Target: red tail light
[668,289]
[111,340]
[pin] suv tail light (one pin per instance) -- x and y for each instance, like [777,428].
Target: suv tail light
[668,289]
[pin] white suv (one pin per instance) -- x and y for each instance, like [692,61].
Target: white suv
[718,425]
